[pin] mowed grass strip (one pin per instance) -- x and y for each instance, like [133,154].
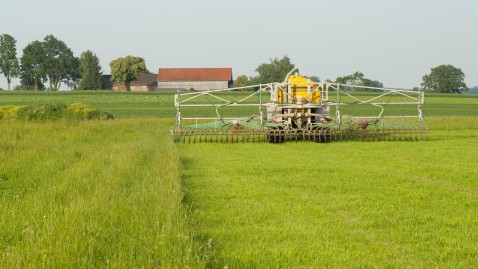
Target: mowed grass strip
[92,194]
[338,205]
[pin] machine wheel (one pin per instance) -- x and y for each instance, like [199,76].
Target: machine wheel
[276,135]
[322,134]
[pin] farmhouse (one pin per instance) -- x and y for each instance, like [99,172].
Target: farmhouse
[198,79]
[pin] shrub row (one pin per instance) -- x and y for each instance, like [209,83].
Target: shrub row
[74,111]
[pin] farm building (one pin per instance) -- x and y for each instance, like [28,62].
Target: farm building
[144,83]
[198,79]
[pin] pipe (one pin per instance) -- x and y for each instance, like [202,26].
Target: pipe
[286,79]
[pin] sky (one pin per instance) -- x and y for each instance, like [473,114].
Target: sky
[396,42]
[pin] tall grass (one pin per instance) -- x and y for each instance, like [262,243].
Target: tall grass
[93,194]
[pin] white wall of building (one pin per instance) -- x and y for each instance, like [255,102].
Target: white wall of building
[196,85]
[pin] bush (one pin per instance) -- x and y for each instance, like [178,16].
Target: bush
[75,111]
[14,112]
[81,111]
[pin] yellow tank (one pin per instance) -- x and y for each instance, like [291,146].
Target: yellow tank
[298,88]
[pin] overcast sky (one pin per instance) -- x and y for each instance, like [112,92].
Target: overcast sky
[393,41]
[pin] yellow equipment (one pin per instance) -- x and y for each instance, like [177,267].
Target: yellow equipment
[299,88]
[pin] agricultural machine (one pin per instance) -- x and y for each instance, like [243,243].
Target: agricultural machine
[299,109]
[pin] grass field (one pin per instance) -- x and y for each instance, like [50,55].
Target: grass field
[338,205]
[120,104]
[121,194]
[130,104]
[93,194]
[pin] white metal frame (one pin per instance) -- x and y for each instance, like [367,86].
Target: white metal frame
[187,100]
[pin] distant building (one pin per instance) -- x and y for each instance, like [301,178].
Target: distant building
[198,79]
[144,83]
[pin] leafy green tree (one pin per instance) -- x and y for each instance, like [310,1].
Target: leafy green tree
[59,64]
[241,81]
[445,79]
[358,79]
[31,71]
[314,78]
[376,84]
[275,71]
[8,58]
[90,69]
[127,69]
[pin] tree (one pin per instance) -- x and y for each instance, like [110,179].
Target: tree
[376,84]
[31,72]
[275,71]
[241,81]
[358,79]
[445,79]
[127,69]
[90,69]
[59,64]
[314,78]
[8,58]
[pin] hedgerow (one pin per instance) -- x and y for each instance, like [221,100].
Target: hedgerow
[74,111]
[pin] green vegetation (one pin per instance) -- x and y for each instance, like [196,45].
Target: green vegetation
[306,205]
[445,79]
[9,66]
[276,70]
[337,205]
[75,111]
[359,79]
[120,194]
[119,104]
[49,59]
[126,69]
[90,70]
[93,194]
[151,104]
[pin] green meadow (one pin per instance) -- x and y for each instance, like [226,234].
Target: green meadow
[120,194]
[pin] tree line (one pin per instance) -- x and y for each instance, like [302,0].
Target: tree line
[49,60]
[52,61]
[442,79]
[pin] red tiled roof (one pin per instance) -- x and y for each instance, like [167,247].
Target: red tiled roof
[195,74]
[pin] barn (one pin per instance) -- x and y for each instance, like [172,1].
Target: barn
[198,79]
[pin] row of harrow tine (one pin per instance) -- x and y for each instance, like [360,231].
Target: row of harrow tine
[217,136]
[282,136]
